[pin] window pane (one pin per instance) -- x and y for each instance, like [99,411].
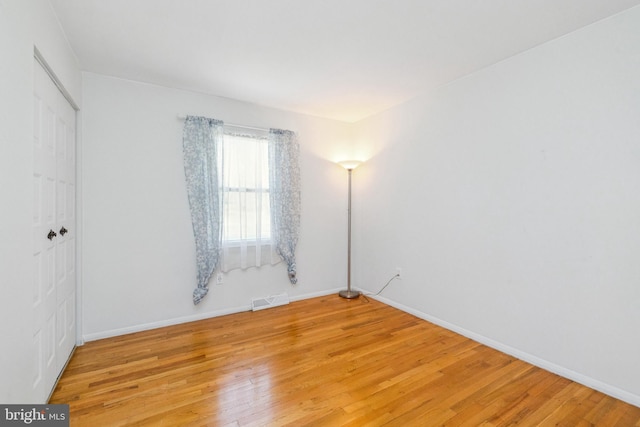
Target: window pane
[247,215]
[266,217]
[246,162]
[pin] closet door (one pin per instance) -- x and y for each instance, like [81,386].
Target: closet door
[54,225]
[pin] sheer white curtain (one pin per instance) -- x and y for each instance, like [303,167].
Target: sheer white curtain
[246,231]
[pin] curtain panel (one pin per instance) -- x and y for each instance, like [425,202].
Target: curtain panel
[201,139]
[284,185]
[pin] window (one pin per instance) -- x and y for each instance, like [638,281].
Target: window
[244,197]
[243,166]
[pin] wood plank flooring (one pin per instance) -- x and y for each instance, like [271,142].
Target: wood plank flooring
[320,362]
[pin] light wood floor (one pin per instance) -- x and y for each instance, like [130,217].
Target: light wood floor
[319,362]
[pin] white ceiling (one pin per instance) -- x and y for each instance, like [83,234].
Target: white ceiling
[341,59]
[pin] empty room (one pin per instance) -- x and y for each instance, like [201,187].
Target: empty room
[320,212]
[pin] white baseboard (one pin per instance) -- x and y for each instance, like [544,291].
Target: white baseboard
[160,324]
[605,388]
[316,294]
[185,319]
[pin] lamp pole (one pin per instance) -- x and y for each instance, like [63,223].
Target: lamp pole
[349,293]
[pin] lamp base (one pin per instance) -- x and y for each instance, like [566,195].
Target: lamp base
[349,294]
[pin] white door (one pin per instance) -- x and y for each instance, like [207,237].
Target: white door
[54,231]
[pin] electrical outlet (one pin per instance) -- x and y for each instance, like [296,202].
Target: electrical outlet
[219,279]
[399,272]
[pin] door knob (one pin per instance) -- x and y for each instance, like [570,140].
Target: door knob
[51,235]
[63,231]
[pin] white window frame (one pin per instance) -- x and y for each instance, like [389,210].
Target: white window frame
[225,190]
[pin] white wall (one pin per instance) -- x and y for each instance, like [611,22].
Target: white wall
[139,255]
[511,200]
[23,25]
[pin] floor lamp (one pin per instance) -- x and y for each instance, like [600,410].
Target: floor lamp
[349,165]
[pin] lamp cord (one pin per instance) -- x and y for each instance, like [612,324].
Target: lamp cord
[380,291]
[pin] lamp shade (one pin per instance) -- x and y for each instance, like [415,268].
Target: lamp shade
[350,164]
